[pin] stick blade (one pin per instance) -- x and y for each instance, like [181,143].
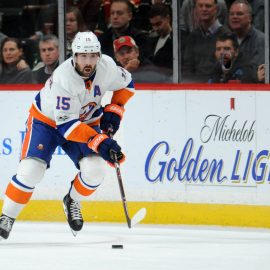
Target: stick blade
[138,217]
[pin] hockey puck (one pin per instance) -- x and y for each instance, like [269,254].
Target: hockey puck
[117,246]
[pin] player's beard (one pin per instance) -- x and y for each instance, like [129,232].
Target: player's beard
[86,71]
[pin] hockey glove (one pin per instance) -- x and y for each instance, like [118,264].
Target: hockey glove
[110,120]
[107,148]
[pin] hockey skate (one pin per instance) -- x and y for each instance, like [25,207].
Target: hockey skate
[6,224]
[73,214]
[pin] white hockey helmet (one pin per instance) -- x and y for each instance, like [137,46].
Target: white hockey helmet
[85,42]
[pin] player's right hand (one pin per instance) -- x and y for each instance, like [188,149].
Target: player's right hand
[107,148]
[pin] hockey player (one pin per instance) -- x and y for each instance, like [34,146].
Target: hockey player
[68,112]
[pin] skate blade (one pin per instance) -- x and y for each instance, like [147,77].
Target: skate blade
[66,214]
[74,232]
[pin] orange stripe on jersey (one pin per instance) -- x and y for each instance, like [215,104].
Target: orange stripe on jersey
[18,195]
[82,133]
[82,189]
[27,137]
[121,97]
[36,113]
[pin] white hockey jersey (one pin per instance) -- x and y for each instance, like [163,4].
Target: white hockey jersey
[73,105]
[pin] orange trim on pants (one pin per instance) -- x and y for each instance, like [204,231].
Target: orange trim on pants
[18,195]
[82,189]
[27,137]
[41,117]
[82,133]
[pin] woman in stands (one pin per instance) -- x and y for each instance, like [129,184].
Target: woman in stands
[74,24]
[13,68]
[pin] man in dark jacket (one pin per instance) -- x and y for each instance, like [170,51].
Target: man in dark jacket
[49,53]
[251,40]
[161,44]
[121,25]
[199,58]
[232,66]
[128,56]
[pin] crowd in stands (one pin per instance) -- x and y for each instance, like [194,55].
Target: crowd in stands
[221,41]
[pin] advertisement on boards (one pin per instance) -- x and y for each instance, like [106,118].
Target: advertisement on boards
[181,146]
[200,146]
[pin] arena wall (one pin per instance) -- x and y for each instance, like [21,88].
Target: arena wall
[196,154]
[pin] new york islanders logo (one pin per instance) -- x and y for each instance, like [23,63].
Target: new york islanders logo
[86,110]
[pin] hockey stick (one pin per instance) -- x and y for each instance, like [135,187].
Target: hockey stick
[139,216]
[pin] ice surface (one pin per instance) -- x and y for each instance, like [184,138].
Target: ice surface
[49,246]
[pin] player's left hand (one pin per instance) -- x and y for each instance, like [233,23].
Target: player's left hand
[111,118]
[107,148]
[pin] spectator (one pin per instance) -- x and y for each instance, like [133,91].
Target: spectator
[261,73]
[258,14]
[74,24]
[103,17]
[162,44]
[13,69]
[232,65]
[189,19]
[128,55]
[199,60]
[141,19]
[120,18]
[250,39]
[49,53]
[89,10]
[44,19]
[47,29]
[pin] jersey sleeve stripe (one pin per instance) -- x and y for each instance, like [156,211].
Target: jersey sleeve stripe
[131,85]
[121,96]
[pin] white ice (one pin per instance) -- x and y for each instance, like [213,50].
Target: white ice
[51,246]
